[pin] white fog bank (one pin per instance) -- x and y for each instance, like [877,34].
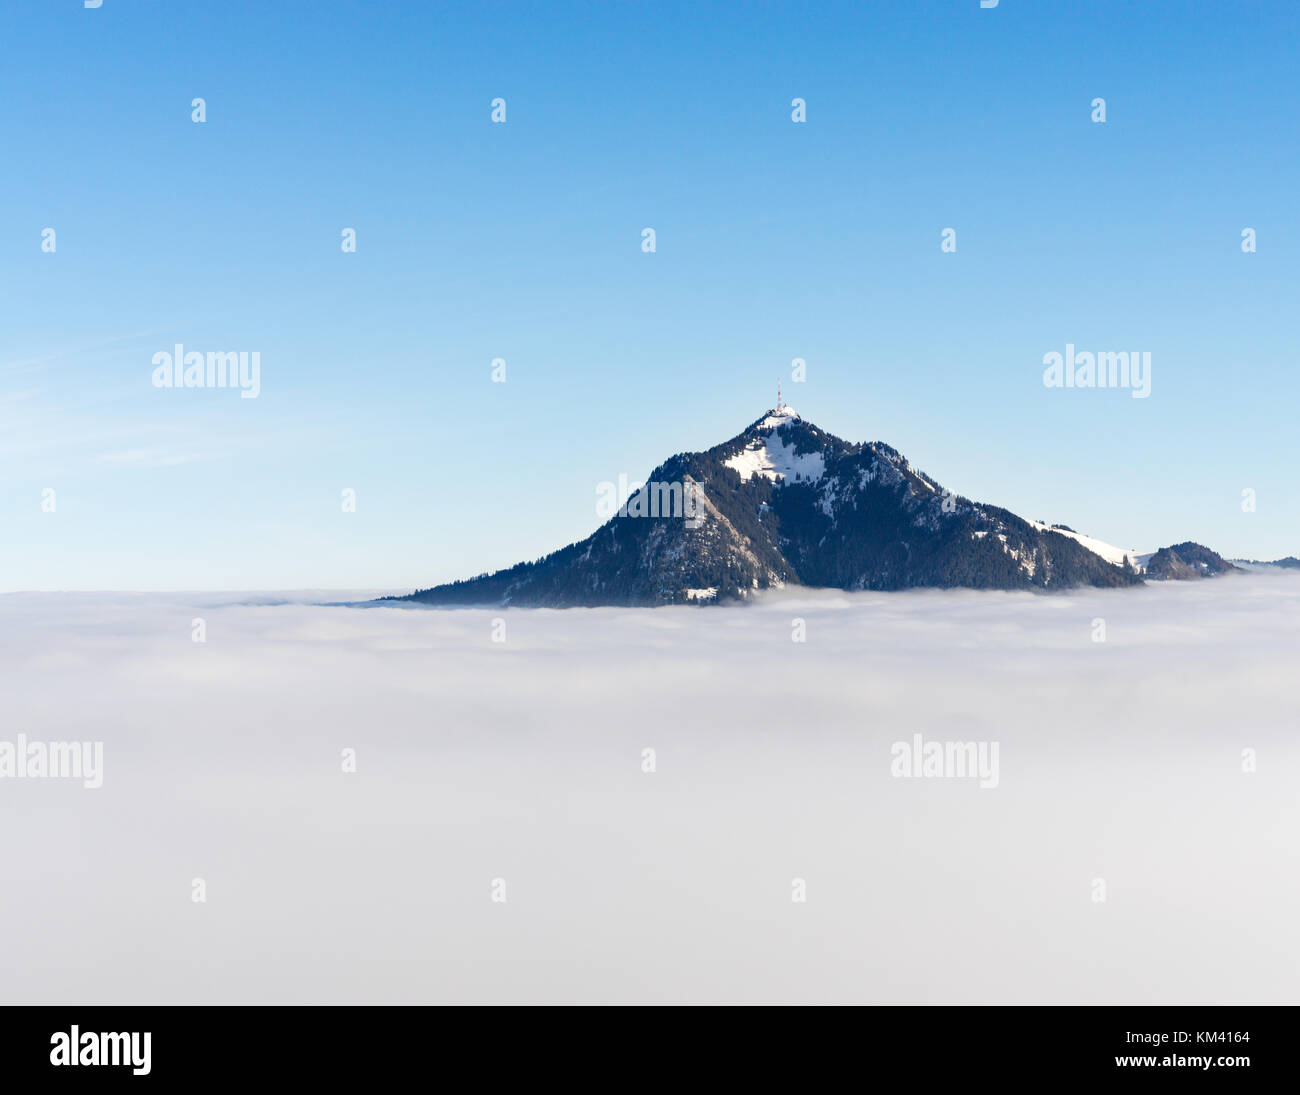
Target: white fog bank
[521,761]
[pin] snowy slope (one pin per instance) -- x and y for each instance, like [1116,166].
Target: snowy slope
[773,459]
[1109,552]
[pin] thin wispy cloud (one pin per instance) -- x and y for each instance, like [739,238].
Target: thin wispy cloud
[41,360]
[147,458]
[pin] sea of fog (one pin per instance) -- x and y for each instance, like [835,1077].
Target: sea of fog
[503,754]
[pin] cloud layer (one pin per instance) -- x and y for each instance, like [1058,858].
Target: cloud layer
[522,760]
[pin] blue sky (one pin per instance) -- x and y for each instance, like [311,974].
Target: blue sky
[522,241]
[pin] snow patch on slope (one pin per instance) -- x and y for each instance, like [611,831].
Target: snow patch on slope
[773,459]
[1109,552]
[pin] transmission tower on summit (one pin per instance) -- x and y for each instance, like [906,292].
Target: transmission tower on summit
[778,395]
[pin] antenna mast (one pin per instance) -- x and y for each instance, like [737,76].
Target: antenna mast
[778,395]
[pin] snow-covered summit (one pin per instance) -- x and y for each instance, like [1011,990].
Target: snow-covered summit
[778,417]
[770,456]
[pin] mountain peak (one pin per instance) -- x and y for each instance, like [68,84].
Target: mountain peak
[785,503]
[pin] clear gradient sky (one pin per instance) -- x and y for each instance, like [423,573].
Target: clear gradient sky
[522,241]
